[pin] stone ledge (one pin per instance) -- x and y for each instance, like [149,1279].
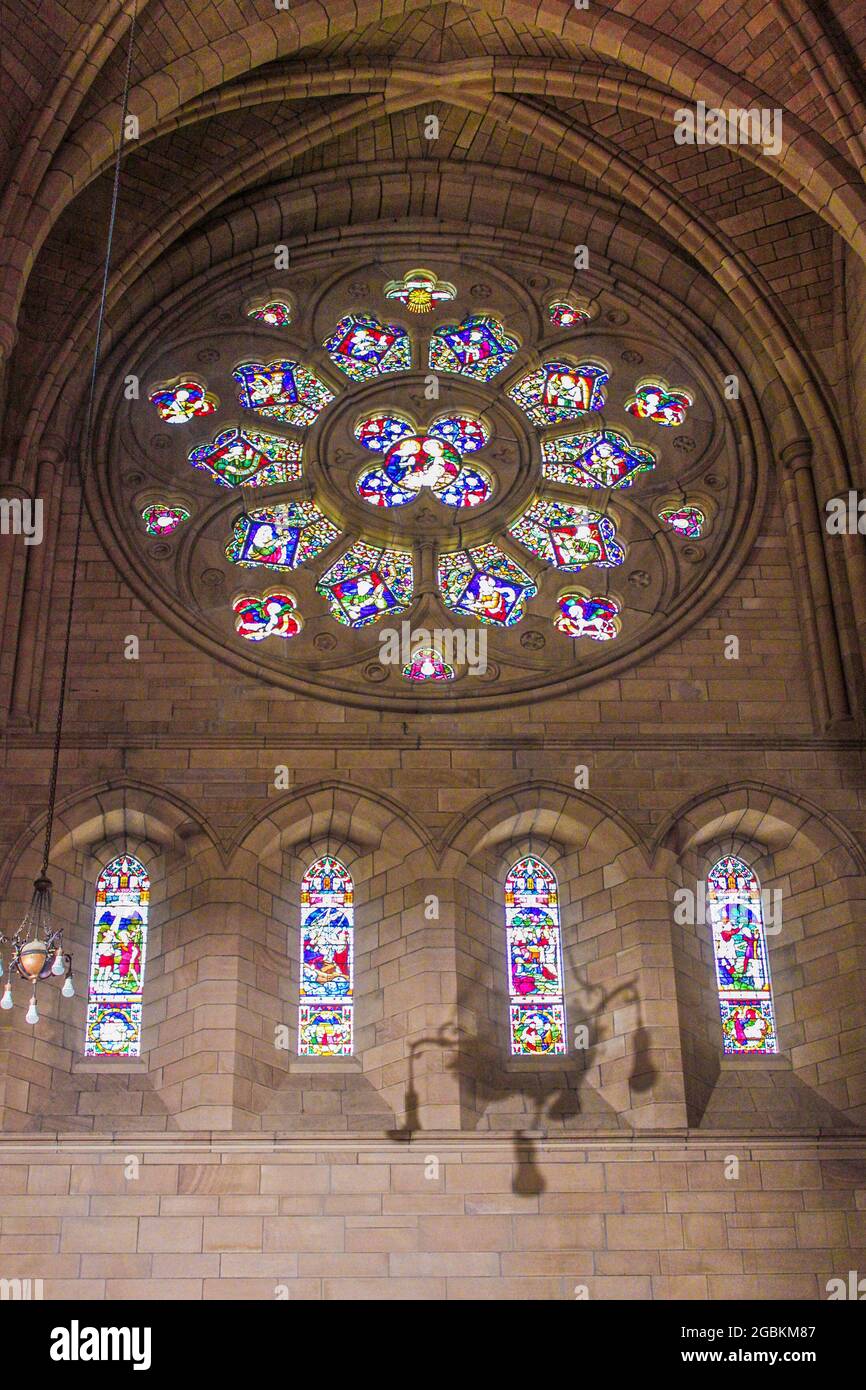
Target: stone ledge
[103,1066]
[776,1062]
[613,1142]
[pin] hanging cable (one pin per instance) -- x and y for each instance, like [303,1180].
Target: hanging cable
[84,452]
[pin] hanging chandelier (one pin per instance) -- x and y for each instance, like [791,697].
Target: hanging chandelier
[37,950]
[37,946]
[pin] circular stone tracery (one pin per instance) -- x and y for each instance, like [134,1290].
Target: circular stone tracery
[569,540]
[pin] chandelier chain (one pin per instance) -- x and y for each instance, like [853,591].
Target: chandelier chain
[85,452]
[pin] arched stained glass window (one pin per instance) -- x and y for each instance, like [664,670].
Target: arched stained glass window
[117,959]
[742,966]
[534,960]
[327,931]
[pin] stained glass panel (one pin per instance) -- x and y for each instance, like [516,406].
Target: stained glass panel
[272,614]
[537,1030]
[420,291]
[470,488]
[742,968]
[160,519]
[362,347]
[376,487]
[596,459]
[327,942]
[415,460]
[427,665]
[284,390]
[567,536]
[250,457]
[478,348]
[535,986]
[367,582]
[485,584]
[276,313]
[563,313]
[560,391]
[654,400]
[117,959]
[382,432]
[686,521]
[182,401]
[325,1030]
[465,433]
[587,615]
[280,537]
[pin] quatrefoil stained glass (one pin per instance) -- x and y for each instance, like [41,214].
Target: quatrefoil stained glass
[417,459]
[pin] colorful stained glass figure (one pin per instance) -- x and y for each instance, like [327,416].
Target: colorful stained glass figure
[272,614]
[427,664]
[276,313]
[596,459]
[560,391]
[420,291]
[485,584]
[280,537]
[325,1030]
[327,933]
[478,348]
[367,582]
[117,959]
[180,401]
[537,1030]
[567,536]
[564,313]
[534,951]
[160,519]
[582,614]
[686,521]
[362,347]
[418,459]
[286,391]
[249,457]
[742,968]
[654,400]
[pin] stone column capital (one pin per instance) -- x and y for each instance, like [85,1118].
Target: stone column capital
[797,454]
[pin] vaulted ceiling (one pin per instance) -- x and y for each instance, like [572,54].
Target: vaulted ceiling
[232,97]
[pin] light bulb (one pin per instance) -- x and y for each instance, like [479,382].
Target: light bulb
[6,1001]
[58,967]
[31,1015]
[68,989]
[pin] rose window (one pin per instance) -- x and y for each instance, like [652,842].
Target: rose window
[448,450]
